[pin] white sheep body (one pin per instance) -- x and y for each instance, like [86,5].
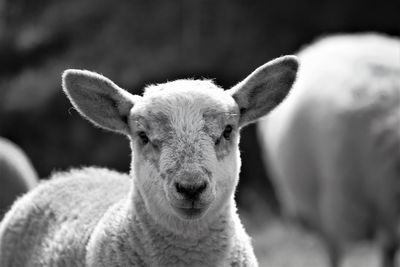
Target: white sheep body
[176,208]
[66,208]
[17,174]
[333,146]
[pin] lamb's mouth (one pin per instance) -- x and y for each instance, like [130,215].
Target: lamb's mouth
[190,212]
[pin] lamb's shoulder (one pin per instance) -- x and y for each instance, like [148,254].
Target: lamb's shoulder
[52,223]
[116,238]
[242,254]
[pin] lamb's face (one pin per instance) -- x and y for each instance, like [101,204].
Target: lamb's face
[185,147]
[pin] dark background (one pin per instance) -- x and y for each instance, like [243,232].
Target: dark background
[139,42]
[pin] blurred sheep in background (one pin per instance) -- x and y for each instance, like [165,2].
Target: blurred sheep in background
[333,145]
[17,174]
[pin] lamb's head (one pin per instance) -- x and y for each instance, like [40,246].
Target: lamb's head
[184,134]
[184,140]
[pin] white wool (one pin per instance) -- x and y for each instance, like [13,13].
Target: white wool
[333,145]
[17,174]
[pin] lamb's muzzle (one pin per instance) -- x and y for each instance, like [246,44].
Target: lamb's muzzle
[190,194]
[191,202]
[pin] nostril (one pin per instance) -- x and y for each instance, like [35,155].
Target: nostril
[190,191]
[179,188]
[202,187]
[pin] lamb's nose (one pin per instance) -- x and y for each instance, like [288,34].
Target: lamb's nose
[190,191]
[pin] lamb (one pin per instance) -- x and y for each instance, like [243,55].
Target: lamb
[333,145]
[17,174]
[176,208]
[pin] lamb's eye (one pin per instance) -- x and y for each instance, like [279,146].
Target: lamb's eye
[143,137]
[227,132]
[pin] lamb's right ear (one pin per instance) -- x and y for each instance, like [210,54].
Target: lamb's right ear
[98,99]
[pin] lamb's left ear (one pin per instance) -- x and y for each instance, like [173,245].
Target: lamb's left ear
[265,88]
[98,99]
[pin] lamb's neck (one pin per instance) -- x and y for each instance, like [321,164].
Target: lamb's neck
[206,247]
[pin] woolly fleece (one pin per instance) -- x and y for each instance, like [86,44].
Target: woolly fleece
[333,145]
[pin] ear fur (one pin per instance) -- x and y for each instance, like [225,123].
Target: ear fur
[98,99]
[265,88]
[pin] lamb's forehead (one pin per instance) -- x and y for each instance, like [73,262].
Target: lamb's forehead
[185,106]
[190,95]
